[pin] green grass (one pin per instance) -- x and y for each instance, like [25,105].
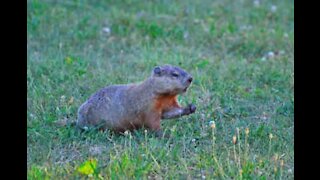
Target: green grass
[224,44]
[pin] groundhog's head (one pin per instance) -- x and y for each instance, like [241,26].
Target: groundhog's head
[170,79]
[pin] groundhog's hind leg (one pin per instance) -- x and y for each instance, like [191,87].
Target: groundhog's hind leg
[83,113]
[153,123]
[178,112]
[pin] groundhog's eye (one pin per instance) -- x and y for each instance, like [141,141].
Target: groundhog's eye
[175,74]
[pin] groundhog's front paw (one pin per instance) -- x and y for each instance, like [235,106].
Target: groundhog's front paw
[192,108]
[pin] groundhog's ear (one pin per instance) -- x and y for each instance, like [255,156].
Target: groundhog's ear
[157,70]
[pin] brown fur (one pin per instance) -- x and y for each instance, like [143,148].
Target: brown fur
[165,102]
[133,106]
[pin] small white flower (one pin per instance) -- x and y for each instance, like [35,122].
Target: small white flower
[85,128]
[270,135]
[234,139]
[193,140]
[173,129]
[273,8]
[270,54]
[203,177]
[263,59]
[212,124]
[256,3]
[106,30]
[264,117]
[247,131]
[286,35]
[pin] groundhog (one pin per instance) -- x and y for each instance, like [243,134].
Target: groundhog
[133,106]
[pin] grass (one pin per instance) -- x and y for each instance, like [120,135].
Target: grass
[240,54]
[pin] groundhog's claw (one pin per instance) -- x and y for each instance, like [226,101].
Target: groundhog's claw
[192,108]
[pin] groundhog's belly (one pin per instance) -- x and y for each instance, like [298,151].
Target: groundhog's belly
[120,121]
[126,125]
[123,124]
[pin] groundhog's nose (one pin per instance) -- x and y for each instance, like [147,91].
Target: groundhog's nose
[190,79]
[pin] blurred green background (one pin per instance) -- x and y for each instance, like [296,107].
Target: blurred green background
[240,54]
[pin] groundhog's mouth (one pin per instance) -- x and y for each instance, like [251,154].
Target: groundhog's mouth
[185,89]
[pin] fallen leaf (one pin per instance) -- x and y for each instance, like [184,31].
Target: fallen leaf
[88,167]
